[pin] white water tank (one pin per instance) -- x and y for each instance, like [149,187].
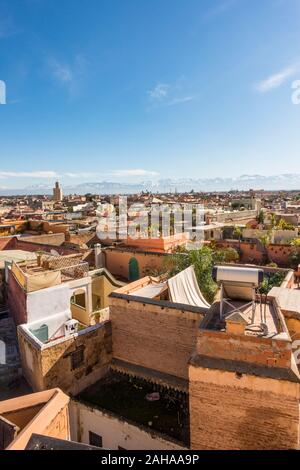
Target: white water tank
[228,274]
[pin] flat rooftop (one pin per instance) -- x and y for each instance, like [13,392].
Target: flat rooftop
[126,397]
[15,255]
[264,313]
[288,300]
[41,442]
[69,267]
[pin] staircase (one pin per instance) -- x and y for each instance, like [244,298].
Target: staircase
[10,367]
[3,312]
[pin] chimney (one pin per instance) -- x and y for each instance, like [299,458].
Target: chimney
[236,324]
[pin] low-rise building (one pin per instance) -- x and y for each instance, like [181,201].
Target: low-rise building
[45,413]
[167,370]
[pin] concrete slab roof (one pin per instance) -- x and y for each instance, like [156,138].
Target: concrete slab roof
[288,300]
[16,256]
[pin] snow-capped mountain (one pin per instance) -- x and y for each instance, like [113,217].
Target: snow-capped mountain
[287,181]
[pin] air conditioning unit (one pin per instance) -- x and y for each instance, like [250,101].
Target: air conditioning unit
[71,327]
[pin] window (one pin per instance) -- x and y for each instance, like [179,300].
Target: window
[95,439]
[77,358]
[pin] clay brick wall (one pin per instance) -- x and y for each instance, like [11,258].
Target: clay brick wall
[154,337]
[16,300]
[249,252]
[278,254]
[230,412]
[244,348]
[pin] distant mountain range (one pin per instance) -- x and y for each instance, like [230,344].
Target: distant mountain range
[286,181]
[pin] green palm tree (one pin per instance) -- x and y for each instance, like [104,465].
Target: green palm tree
[238,233]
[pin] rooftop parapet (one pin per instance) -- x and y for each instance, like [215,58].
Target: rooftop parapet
[49,271]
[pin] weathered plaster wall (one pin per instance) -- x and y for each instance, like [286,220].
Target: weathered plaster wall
[101,289]
[42,413]
[114,431]
[48,302]
[59,427]
[117,262]
[31,363]
[233,412]
[16,300]
[51,366]
[47,227]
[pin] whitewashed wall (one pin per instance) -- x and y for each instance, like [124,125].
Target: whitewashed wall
[114,431]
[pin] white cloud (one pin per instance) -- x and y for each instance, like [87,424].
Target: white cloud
[165,94]
[69,74]
[80,175]
[160,91]
[26,174]
[133,172]
[222,7]
[276,80]
[113,174]
[184,99]
[62,72]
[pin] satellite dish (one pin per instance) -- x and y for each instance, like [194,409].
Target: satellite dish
[54,253]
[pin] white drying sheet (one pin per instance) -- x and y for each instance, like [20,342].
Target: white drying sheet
[150,291]
[184,289]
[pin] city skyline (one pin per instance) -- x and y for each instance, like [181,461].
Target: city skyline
[283,182]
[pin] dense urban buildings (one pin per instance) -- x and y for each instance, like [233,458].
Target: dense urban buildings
[150,328]
[149,231]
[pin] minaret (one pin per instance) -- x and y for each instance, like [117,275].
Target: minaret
[57,192]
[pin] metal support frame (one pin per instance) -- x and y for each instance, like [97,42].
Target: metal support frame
[226,301]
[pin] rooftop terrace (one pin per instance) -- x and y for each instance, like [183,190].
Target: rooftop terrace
[130,398]
[265,313]
[49,270]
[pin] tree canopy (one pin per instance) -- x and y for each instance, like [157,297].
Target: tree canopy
[203,261]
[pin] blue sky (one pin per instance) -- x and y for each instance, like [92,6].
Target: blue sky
[137,89]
